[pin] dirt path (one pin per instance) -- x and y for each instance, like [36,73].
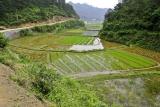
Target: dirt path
[14,33]
[29,27]
[91,74]
[11,95]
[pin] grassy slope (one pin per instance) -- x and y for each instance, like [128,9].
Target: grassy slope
[12,94]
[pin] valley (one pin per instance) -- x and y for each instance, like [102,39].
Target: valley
[118,73]
[80,53]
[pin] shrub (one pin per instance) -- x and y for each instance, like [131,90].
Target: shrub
[25,32]
[59,26]
[47,84]
[134,22]
[3,41]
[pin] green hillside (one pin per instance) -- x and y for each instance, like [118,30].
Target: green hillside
[134,22]
[16,12]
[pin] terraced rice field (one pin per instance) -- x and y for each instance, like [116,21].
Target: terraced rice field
[49,41]
[40,47]
[94,26]
[106,61]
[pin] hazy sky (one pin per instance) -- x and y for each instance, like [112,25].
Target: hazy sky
[98,3]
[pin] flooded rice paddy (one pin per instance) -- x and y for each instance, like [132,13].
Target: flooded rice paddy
[131,92]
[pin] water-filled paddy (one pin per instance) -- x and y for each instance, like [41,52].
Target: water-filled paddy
[130,92]
[91,33]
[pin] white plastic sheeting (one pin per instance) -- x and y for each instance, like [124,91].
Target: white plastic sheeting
[97,45]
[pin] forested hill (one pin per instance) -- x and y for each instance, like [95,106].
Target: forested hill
[15,12]
[134,22]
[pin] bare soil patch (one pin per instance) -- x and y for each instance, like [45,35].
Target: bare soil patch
[12,95]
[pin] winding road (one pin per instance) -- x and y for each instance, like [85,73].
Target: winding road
[13,33]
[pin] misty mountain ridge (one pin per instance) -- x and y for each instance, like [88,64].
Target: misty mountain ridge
[89,12]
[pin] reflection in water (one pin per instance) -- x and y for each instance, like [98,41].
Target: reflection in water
[91,33]
[139,92]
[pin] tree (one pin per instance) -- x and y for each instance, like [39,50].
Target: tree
[3,41]
[134,22]
[15,12]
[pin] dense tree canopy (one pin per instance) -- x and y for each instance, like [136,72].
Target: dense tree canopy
[134,22]
[14,12]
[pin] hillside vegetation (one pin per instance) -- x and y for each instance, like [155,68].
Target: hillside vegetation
[3,41]
[134,22]
[16,12]
[53,28]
